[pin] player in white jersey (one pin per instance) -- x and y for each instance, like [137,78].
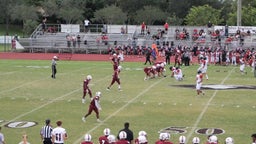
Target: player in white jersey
[203,67]
[59,134]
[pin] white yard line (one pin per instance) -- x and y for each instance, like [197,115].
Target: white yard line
[206,107]
[118,110]
[49,102]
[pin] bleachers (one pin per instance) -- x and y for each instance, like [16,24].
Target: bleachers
[93,42]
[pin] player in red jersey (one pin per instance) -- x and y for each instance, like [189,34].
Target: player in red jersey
[116,78]
[115,60]
[122,136]
[160,70]
[150,72]
[162,138]
[104,139]
[87,139]
[94,106]
[111,139]
[199,80]
[86,88]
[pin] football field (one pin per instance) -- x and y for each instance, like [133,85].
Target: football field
[28,96]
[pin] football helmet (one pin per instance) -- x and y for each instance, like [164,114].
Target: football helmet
[142,133]
[98,93]
[196,140]
[229,140]
[122,135]
[182,139]
[89,77]
[55,57]
[106,131]
[153,67]
[119,67]
[158,65]
[142,139]
[87,137]
[162,64]
[111,139]
[162,136]
[168,136]
[213,139]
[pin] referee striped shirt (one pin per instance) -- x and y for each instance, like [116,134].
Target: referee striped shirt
[46,132]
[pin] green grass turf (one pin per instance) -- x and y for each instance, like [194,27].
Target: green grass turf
[29,94]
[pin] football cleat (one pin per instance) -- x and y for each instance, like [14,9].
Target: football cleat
[108,88]
[83,119]
[98,120]
[83,100]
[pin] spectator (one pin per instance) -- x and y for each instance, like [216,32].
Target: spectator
[61,132]
[78,40]
[1,137]
[166,26]
[46,132]
[44,24]
[128,132]
[73,39]
[143,27]
[86,25]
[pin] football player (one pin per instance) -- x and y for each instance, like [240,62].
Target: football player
[141,133]
[162,138]
[116,78]
[178,74]
[94,106]
[229,140]
[122,138]
[212,140]
[242,65]
[195,140]
[87,139]
[199,80]
[203,66]
[172,69]
[86,88]
[150,72]
[111,139]
[104,139]
[115,60]
[182,139]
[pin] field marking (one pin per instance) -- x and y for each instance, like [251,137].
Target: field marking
[118,110]
[49,102]
[35,81]
[206,107]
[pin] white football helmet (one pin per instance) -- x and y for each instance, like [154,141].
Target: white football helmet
[142,139]
[162,136]
[182,139]
[213,139]
[229,140]
[142,133]
[98,93]
[89,77]
[55,57]
[158,65]
[111,139]
[87,137]
[119,67]
[196,140]
[106,131]
[168,136]
[122,135]
[153,67]
[162,64]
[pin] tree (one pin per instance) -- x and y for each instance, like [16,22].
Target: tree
[110,15]
[5,12]
[200,16]
[27,14]
[70,10]
[150,14]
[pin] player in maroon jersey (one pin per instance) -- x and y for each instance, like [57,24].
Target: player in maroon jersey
[86,88]
[111,139]
[115,60]
[150,72]
[162,138]
[104,139]
[122,136]
[116,78]
[94,106]
[87,139]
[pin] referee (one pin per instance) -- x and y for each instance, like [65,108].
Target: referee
[46,132]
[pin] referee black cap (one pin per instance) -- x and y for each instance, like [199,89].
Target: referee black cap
[47,121]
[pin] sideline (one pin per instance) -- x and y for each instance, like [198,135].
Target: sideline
[206,107]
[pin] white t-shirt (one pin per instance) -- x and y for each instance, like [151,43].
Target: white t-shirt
[86,22]
[59,133]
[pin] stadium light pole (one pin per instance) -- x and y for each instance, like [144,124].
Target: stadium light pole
[239,12]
